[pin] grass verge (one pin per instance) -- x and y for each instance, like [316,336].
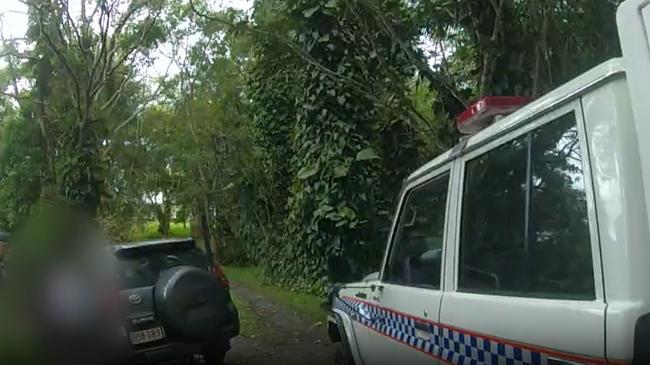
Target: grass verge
[149,231]
[307,305]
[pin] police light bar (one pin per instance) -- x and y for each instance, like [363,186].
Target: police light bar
[482,113]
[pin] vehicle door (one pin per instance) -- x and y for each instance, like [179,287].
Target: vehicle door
[404,305]
[527,284]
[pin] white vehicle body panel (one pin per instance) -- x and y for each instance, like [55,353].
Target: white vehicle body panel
[633,19]
[531,321]
[563,327]
[351,335]
[612,108]
[625,247]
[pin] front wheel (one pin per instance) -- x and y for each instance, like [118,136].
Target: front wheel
[340,358]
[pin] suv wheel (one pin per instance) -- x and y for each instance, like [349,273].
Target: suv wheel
[214,356]
[209,357]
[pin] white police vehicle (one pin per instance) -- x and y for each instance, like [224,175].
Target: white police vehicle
[528,243]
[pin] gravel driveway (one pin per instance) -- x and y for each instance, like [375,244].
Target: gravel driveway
[288,338]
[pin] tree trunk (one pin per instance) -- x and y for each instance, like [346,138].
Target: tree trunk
[164,216]
[205,227]
[41,89]
[163,224]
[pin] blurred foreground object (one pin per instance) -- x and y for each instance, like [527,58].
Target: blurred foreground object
[4,251]
[59,303]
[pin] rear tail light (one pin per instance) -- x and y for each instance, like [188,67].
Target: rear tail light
[218,272]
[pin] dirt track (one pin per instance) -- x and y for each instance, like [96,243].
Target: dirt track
[288,338]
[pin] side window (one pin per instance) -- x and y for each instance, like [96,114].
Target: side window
[524,229]
[416,254]
[493,220]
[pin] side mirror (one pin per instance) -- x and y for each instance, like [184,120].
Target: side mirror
[371,277]
[332,292]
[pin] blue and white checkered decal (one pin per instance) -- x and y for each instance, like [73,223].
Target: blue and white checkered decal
[448,344]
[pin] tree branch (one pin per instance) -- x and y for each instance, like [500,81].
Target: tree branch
[305,56]
[109,52]
[142,107]
[151,21]
[60,55]
[117,92]
[104,24]
[415,60]
[16,97]
[489,63]
[73,25]
[22,56]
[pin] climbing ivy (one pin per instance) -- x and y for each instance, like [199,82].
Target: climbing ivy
[330,111]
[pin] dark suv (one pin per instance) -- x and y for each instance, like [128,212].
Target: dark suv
[178,306]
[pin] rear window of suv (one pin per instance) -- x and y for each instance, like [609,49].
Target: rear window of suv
[138,268]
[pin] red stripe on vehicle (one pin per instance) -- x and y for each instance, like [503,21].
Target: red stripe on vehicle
[546,351]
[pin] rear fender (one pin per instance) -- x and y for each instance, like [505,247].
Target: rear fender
[341,330]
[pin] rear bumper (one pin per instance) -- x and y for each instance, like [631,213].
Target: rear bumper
[161,354]
[172,352]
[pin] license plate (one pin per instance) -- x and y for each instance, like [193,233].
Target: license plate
[148,335]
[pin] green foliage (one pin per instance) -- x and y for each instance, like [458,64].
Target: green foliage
[149,230]
[368,108]
[520,47]
[20,163]
[336,130]
[310,306]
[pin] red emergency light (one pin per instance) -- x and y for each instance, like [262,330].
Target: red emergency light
[481,114]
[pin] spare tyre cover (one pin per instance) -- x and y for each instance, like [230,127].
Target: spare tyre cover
[191,301]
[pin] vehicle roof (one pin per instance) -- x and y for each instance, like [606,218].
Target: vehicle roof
[151,243]
[576,87]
